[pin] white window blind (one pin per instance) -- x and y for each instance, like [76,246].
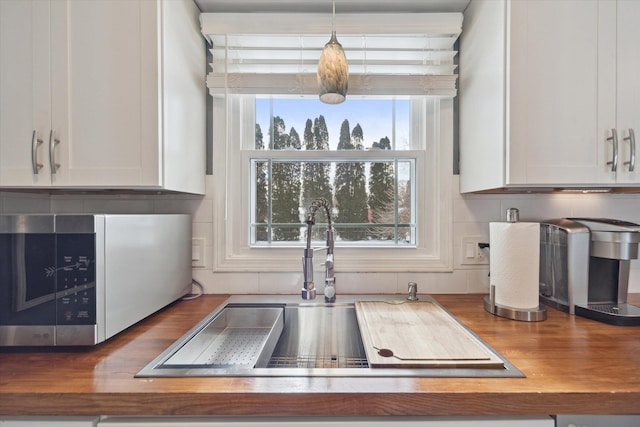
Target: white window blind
[388,54]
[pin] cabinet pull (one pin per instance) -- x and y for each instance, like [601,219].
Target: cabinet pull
[632,150]
[53,142]
[35,143]
[614,139]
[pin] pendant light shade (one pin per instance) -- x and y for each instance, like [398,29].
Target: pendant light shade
[333,71]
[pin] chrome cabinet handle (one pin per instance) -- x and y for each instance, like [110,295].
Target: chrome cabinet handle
[35,143]
[614,139]
[632,150]
[52,153]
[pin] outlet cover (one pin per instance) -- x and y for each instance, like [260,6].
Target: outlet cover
[197,252]
[472,253]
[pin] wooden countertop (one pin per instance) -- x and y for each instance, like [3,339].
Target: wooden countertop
[572,365]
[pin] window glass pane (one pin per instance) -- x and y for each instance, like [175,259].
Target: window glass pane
[308,124]
[372,201]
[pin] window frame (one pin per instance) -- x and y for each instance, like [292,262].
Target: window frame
[234,120]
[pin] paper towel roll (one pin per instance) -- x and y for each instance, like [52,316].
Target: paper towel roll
[514,266]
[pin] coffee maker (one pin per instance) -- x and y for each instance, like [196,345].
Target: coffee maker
[584,267]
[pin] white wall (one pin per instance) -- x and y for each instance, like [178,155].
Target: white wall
[472,214]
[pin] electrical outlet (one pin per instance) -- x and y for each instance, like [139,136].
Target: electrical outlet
[472,253]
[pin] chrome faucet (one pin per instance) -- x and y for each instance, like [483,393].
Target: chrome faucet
[308,288]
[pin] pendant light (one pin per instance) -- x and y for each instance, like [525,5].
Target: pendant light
[333,69]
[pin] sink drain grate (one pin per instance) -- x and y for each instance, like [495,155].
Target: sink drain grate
[317,362]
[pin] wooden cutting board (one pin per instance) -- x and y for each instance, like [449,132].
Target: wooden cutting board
[418,334]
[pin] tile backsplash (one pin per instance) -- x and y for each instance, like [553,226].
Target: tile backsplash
[471,217]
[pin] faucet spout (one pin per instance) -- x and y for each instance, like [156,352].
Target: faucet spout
[308,288]
[329,277]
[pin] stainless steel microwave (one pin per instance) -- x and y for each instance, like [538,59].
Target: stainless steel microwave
[68,280]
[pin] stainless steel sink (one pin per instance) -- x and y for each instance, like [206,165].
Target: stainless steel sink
[319,337]
[284,336]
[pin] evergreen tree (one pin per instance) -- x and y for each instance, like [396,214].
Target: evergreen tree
[360,205]
[262,196]
[285,199]
[382,193]
[316,179]
[320,133]
[350,186]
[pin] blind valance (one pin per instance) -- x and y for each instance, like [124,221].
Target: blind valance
[388,54]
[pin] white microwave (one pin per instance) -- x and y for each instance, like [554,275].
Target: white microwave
[69,280]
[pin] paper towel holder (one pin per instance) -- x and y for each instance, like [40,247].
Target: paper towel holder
[537,314]
[526,315]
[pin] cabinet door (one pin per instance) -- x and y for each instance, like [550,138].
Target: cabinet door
[628,86]
[553,94]
[25,95]
[105,93]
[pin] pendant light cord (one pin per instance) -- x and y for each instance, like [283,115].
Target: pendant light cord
[333,18]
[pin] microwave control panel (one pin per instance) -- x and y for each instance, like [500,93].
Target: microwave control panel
[75,279]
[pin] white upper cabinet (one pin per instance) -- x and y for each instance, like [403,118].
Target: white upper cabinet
[628,89]
[544,86]
[114,89]
[25,92]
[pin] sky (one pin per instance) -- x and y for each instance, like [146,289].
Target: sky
[374,116]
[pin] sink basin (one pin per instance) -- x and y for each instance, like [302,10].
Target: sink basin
[285,336]
[319,337]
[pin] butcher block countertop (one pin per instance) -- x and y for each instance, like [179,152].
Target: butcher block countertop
[572,365]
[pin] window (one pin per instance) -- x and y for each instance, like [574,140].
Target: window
[370,188]
[243,243]
[383,158]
